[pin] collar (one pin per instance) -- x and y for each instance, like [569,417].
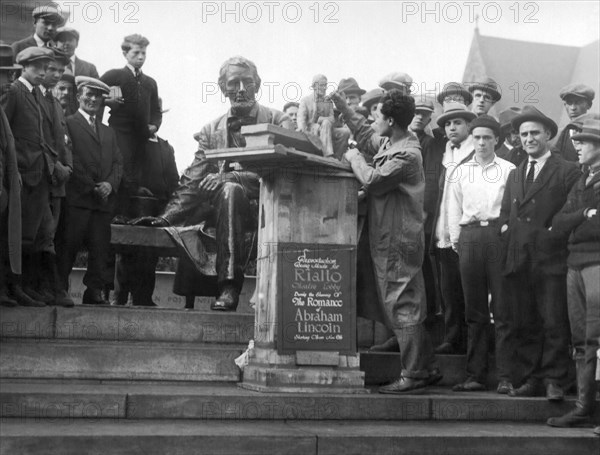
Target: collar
[26,83]
[86,116]
[508,146]
[473,161]
[73,59]
[541,160]
[466,143]
[252,114]
[132,69]
[40,42]
[44,89]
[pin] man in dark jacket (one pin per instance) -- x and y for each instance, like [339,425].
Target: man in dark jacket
[46,20]
[91,191]
[581,218]
[535,258]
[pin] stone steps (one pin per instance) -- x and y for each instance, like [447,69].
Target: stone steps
[182,437]
[35,400]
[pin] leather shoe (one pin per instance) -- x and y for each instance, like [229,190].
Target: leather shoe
[36,295]
[571,419]
[554,392]
[435,376]
[5,300]
[504,387]
[526,390]
[469,386]
[23,299]
[227,301]
[391,345]
[445,348]
[62,299]
[597,431]
[93,297]
[404,386]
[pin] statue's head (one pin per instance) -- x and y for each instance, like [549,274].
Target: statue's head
[239,81]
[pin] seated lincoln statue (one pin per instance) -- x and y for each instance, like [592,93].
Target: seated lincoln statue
[223,195]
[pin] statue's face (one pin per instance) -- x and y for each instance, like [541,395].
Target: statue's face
[240,88]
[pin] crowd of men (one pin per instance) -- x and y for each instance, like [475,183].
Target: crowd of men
[491,212]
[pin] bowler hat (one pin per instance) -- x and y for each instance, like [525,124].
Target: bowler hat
[531,114]
[397,80]
[372,97]
[589,132]
[6,58]
[485,121]
[423,104]
[50,13]
[454,110]
[455,88]
[66,31]
[34,53]
[579,90]
[487,84]
[349,86]
[85,81]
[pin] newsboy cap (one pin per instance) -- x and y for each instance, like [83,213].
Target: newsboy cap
[48,12]
[66,31]
[85,81]
[423,104]
[33,54]
[531,114]
[454,110]
[397,80]
[485,121]
[579,90]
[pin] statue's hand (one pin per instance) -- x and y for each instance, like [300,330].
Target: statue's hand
[210,183]
[150,221]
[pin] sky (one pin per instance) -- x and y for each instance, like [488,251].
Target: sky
[292,41]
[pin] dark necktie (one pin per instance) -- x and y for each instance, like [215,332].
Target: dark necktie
[138,74]
[530,175]
[49,96]
[93,122]
[35,95]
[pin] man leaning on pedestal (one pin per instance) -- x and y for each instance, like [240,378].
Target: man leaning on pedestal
[223,193]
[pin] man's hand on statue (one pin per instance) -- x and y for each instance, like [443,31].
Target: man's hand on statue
[103,189]
[339,100]
[210,183]
[144,192]
[150,221]
[351,154]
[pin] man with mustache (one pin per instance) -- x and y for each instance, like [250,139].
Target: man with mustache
[224,194]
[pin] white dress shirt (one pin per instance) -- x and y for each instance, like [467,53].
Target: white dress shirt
[476,193]
[539,164]
[450,160]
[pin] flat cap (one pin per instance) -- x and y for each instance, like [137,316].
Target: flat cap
[60,56]
[397,80]
[531,114]
[50,13]
[590,131]
[485,121]
[580,90]
[423,104]
[66,31]
[34,53]
[454,110]
[85,81]
[487,84]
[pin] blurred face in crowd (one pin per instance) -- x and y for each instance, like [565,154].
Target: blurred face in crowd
[320,87]
[63,92]
[575,106]
[45,28]
[34,72]
[53,73]
[90,100]
[292,113]
[7,77]
[513,138]
[136,56]
[353,100]
[484,140]
[457,130]
[482,102]
[67,44]
[454,98]
[534,137]
[420,120]
[240,88]
[588,152]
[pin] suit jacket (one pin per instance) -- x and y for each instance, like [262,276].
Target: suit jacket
[564,146]
[503,151]
[18,46]
[56,133]
[528,241]
[516,156]
[141,106]
[10,196]
[83,68]
[158,170]
[432,150]
[34,156]
[96,158]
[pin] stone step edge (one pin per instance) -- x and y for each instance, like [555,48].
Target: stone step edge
[121,344]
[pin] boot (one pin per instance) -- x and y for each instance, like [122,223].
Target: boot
[53,282]
[45,282]
[31,274]
[586,396]
[5,300]
[17,293]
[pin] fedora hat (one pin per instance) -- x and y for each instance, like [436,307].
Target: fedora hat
[506,116]
[455,88]
[589,132]
[454,110]
[487,84]
[531,114]
[350,85]
[6,58]
[372,97]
